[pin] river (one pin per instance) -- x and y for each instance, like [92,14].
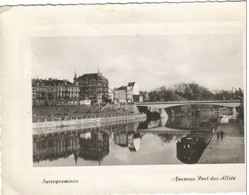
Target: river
[151,142]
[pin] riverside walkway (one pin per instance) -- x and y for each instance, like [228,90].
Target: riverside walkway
[228,150]
[78,123]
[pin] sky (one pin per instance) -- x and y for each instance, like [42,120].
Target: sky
[211,60]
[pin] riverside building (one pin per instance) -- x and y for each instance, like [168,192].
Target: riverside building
[93,87]
[53,92]
[129,93]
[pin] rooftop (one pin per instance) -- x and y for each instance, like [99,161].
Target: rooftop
[50,82]
[92,75]
[131,84]
[121,88]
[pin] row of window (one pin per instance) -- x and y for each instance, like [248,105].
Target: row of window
[67,92]
[66,88]
[61,96]
[53,90]
[98,84]
[43,90]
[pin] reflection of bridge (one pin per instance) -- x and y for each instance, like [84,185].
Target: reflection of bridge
[226,103]
[165,130]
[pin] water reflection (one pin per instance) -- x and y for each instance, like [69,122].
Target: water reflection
[191,147]
[130,140]
[179,139]
[89,144]
[55,146]
[94,145]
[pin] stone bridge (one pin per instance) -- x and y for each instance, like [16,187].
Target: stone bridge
[160,106]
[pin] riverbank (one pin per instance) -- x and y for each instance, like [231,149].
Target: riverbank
[42,131]
[66,112]
[228,150]
[78,121]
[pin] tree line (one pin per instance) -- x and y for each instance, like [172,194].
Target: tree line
[190,91]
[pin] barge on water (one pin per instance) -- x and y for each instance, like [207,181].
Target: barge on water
[191,147]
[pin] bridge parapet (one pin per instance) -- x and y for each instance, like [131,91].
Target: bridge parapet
[227,103]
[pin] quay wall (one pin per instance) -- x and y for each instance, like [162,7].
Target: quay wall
[84,121]
[46,130]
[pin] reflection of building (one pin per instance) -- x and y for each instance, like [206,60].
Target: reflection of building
[55,146]
[121,139]
[95,146]
[153,124]
[86,135]
[134,142]
[87,143]
[129,93]
[93,87]
[130,140]
[85,102]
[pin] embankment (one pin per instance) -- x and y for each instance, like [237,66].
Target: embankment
[77,121]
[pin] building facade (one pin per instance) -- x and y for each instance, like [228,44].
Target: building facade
[93,87]
[129,93]
[43,92]
[53,92]
[120,94]
[67,92]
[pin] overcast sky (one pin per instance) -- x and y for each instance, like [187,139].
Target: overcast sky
[211,60]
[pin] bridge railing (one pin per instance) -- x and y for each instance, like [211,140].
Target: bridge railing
[190,101]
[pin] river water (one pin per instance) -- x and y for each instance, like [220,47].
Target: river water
[150,142]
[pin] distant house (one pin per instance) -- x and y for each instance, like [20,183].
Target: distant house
[144,95]
[120,94]
[129,93]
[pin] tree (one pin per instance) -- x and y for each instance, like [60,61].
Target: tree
[182,91]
